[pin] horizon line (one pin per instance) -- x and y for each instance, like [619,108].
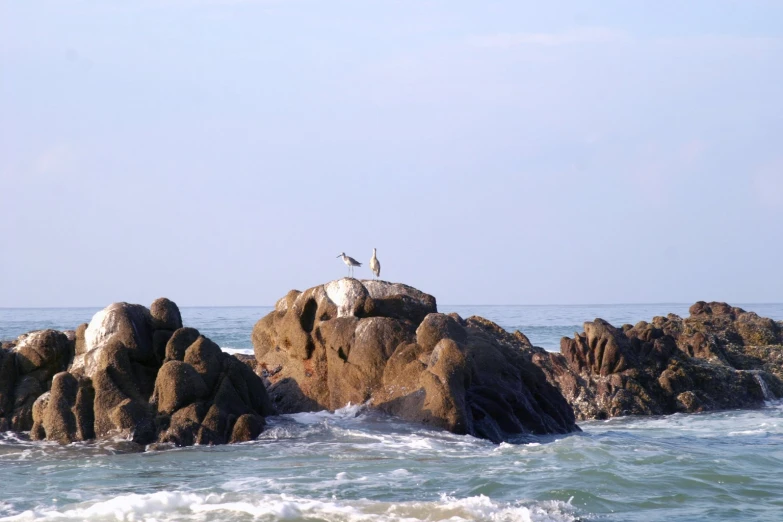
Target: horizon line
[682,303]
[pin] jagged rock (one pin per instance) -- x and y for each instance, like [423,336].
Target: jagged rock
[706,362]
[351,341]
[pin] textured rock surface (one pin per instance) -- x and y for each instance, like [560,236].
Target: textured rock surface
[27,366]
[351,341]
[119,386]
[720,357]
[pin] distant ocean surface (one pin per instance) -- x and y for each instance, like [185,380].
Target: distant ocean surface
[230,327]
[353,465]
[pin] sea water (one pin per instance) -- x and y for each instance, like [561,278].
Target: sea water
[356,465]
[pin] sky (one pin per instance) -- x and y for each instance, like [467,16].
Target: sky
[499,152]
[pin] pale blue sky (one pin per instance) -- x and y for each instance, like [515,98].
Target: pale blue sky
[516,152]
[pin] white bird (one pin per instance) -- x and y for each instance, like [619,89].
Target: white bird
[375,265]
[351,262]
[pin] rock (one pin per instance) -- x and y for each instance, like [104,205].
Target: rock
[180,341]
[7,381]
[184,425]
[483,384]
[249,360]
[119,385]
[27,366]
[28,388]
[80,343]
[178,384]
[165,315]
[128,324]
[42,354]
[353,341]
[706,362]
[39,408]
[121,406]
[65,414]
[160,340]
[399,301]
[207,358]
[247,427]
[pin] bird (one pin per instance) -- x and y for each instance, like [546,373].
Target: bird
[351,262]
[375,265]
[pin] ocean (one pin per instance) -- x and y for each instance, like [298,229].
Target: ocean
[355,465]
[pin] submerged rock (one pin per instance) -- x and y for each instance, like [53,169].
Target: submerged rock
[351,342]
[720,357]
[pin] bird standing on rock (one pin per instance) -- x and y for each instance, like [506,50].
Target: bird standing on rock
[375,265]
[351,262]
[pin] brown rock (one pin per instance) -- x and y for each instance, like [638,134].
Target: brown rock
[42,354]
[701,363]
[178,384]
[180,341]
[207,358]
[247,427]
[80,344]
[165,315]
[353,341]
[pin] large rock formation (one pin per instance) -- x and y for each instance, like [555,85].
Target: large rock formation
[136,373]
[353,341]
[720,357]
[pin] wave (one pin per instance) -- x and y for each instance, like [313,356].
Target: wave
[232,350]
[183,505]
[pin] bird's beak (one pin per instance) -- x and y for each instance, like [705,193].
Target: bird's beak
[339,256]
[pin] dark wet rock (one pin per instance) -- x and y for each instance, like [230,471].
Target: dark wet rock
[160,339]
[353,341]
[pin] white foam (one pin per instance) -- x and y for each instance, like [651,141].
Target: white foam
[176,505]
[349,411]
[232,350]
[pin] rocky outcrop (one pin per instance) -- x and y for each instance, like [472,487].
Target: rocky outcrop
[136,373]
[720,357]
[353,341]
[27,366]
